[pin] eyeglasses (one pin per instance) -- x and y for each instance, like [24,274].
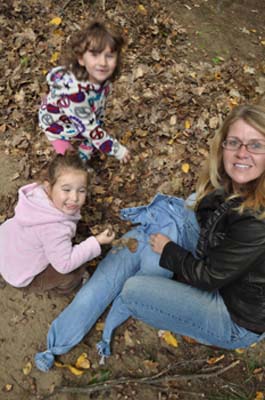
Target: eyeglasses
[253,146]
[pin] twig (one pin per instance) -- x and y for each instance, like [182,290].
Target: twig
[150,380]
[66,4]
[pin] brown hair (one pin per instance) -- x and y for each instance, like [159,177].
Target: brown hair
[96,36]
[214,175]
[59,163]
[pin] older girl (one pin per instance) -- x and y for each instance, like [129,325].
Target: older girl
[73,110]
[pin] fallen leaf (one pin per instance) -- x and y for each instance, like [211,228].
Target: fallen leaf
[130,243]
[54,57]
[100,326]
[109,199]
[20,96]
[151,364]
[27,369]
[82,362]
[218,76]
[185,168]
[2,128]
[168,338]
[259,396]
[215,360]
[249,70]
[56,21]
[189,340]
[187,124]
[127,338]
[240,351]
[8,387]
[142,10]
[74,370]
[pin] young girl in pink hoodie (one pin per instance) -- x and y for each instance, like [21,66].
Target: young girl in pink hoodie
[36,244]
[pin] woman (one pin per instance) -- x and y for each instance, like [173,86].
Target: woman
[217,295]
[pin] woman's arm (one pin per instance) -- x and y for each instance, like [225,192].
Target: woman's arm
[236,254]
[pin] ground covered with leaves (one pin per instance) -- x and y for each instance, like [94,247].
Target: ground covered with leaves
[186,64]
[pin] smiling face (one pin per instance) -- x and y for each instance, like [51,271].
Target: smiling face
[68,193]
[99,65]
[241,165]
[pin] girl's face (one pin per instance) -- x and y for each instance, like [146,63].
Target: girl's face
[99,65]
[241,165]
[68,194]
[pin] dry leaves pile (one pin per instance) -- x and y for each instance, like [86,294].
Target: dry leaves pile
[165,107]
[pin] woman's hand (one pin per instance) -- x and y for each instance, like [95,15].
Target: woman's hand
[106,236]
[158,241]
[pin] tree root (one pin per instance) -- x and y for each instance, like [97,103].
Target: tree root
[158,380]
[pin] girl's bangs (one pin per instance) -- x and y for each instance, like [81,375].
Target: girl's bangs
[100,42]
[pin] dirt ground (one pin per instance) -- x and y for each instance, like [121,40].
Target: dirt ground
[196,58]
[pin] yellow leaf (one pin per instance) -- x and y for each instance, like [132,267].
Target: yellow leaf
[82,361]
[217,76]
[74,370]
[8,387]
[141,133]
[27,369]
[109,199]
[128,339]
[58,32]
[54,57]
[58,364]
[240,351]
[215,360]
[233,102]
[56,21]
[185,167]
[259,396]
[263,42]
[126,137]
[142,10]
[100,326]
[169,338]
[187,124]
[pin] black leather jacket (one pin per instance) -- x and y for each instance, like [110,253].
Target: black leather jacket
[231,259]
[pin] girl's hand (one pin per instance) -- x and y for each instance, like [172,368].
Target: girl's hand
[158,241]
[106,236]
[126,158]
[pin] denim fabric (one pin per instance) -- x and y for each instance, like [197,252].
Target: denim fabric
[167,215]
[185,310]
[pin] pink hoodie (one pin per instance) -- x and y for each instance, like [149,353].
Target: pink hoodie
[39,234]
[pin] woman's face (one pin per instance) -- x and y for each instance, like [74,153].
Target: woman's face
[241,165]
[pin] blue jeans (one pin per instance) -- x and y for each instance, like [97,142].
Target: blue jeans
[69,328]
[183,309]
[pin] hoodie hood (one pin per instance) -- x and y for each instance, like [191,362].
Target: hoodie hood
[35,208]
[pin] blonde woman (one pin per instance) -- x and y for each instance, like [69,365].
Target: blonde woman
[203,273]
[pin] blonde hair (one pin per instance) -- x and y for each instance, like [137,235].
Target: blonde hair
[214,175]
[96,36]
